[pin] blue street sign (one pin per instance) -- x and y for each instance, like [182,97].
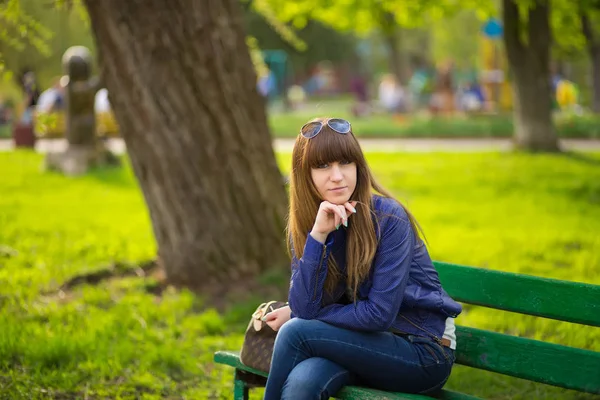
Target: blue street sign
[492,28]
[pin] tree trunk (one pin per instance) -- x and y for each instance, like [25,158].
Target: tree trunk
[183,90]
[392,36]
[395,59]
[595,57]
[530,64]
[593,46]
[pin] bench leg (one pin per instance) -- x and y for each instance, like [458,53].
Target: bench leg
[240,389]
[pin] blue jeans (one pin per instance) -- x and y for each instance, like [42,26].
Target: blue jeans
[313,360]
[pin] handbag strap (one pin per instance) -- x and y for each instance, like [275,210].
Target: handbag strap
[262,309]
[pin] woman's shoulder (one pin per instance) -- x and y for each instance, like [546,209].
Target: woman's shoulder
[388,207]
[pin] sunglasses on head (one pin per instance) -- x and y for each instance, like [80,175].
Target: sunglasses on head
[312,129]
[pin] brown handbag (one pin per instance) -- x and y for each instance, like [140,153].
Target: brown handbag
[257,348]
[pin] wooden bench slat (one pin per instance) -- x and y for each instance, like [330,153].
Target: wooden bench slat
[549,363]
[361,393]
[232,358]
[550,298]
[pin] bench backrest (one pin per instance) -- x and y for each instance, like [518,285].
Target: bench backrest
[530,359]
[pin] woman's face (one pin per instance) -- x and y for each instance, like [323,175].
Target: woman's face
[335,181]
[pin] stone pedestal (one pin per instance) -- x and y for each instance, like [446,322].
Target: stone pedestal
[79,159]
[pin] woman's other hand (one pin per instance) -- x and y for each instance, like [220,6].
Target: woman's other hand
[275,319]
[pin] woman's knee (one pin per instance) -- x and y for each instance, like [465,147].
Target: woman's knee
[295,330]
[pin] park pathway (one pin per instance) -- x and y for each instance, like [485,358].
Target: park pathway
[382,145]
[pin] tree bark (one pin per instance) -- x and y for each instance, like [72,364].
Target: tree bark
[595,57]
[593,47]
[529,61]
[392,36]
[183,90]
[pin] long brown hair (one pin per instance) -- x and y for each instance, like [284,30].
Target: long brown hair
[361,240]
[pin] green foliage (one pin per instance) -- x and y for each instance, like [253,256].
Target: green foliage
[256,56]
[36,36]
[285,32]
[123,338]
[570,41]
[18,28]
[64,23]
[457,38]
[338,47]
[363,17]
[566,24]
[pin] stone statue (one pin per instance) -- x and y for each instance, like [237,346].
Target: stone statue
[84,150]
[80,93]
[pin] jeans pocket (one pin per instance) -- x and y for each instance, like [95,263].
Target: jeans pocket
[431,355]
[430,352]
[446,352]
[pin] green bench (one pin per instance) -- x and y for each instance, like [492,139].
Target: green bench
[529,359]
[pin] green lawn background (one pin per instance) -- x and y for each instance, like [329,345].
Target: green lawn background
[537,215]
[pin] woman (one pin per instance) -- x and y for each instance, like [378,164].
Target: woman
[366,306]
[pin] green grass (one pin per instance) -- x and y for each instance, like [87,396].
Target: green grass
[422,126]
[538,215]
